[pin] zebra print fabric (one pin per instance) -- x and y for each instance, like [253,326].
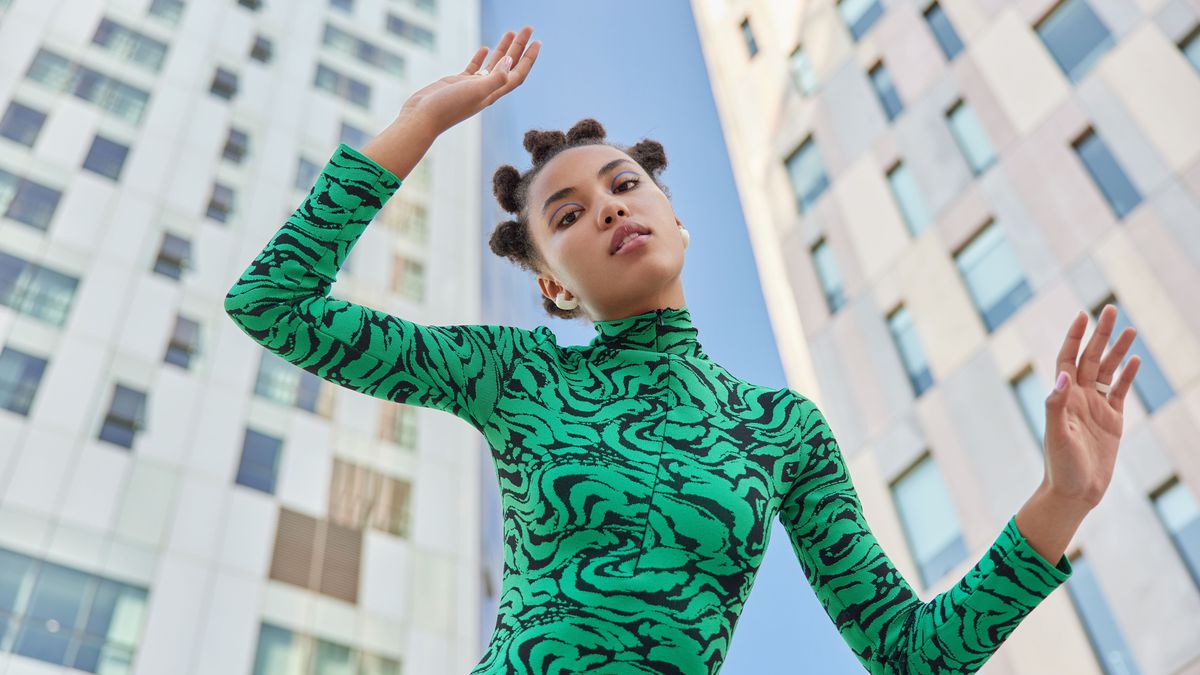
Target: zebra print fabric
[638,478]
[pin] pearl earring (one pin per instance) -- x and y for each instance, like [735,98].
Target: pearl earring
[686,236]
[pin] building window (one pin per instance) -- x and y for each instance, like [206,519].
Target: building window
[22,124]
[908,198]
[405,217]
[346,6]
[969,135]
[364,51]
[131,46]
[253,5]
[1180,515]
[126,416]
[859,15]
[803,75]
[361,498]
[748,37]
[36,291]
[259,466]
[235,145]
[224,83]
[994,279]
[807,172]
[306,174]
[1098,621]
[908,345]
[1150,384]
[427,6]
[885,89]
[280,381]
[1108,175]
[408,278]
[121,100]
[417,180]
[184,343]
[20,375]
[174,256]
[106,157]
[67,617]
[283,652]
[1190,46]
[418,35]
[399,425]
[1075,36]
[943,31]
[929,520]
[27,202]
[829,276]
[170,11]
[1031,394]
[353,136]
[261,51]
[220,203]
[317,554]
[342,86]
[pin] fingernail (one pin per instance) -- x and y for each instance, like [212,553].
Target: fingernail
[508,62]
[1062,382]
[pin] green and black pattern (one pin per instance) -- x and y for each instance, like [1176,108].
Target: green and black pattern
[638,478]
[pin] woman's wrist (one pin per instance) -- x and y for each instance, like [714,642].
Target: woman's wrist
[400,146]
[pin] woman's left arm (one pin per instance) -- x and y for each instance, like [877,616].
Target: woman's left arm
[1083,432]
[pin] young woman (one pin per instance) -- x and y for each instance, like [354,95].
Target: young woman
[638,478]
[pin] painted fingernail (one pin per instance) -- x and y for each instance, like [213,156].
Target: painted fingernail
[1062,382]
[508,62]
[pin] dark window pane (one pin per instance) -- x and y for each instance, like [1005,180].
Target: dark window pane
[20,375]
[173,256]
[748,37]
[943,31]
[48,295]
[33,204]
[106,157]
[261,50]
[1075,36]
[1122,196]
[1191,47]
[21,124]
[859,15]
[353,136]
[886,91]
[224,83]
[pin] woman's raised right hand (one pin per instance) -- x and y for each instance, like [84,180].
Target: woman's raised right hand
[453,98]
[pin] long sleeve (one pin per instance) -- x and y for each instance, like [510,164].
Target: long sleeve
[282,302]
[874,608]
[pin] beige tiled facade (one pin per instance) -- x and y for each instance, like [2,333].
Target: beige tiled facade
[1142,97]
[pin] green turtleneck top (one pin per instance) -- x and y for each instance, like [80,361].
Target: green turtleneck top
[638,478]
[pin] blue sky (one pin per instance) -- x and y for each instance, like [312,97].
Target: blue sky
[638,69]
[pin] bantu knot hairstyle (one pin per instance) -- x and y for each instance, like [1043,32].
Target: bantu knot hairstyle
[511,238]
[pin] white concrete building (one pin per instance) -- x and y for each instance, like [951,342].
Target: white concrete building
[933,190]
[173,498]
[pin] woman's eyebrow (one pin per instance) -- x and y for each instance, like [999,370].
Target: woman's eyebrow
[568,190]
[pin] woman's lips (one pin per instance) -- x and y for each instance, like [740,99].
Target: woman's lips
[637,242]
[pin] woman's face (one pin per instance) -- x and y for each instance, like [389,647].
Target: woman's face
[575,205]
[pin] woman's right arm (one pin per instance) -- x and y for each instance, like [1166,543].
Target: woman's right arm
[282,298]
[282,302]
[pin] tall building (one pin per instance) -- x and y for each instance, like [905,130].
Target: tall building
[173,497]
[933,190]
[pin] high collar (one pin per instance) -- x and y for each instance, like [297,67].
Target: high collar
[666,330]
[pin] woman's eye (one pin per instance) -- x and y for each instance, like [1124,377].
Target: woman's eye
[563,221]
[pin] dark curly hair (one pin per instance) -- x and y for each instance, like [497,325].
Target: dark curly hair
[511,238]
